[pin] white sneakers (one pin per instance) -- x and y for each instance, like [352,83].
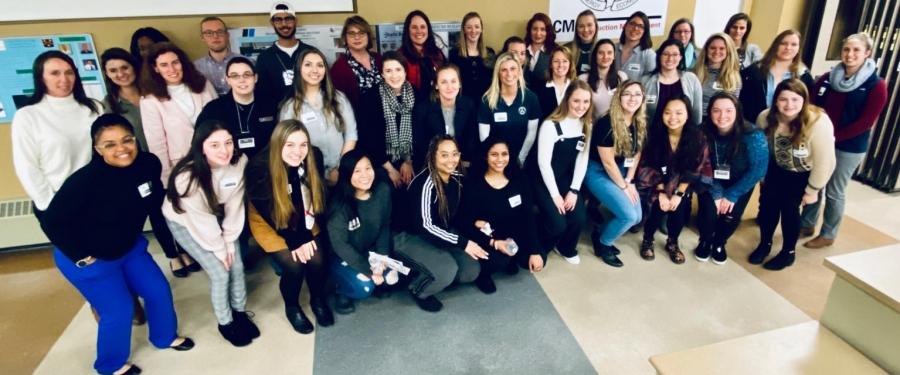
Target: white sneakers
[572,260]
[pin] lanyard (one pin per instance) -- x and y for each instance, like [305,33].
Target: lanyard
[237,109]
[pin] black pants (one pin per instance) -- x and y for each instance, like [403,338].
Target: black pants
[714,228]
[561,231]
[675,220]
[293,273]
[780,198]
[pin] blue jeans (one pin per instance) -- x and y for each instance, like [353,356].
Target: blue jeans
[835,195]
[625,213]
[107,286]
[347,283]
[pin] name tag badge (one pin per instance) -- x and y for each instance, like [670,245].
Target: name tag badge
[310,221]
[664,168]
[288,76]
[651,99]
[353,224]
[822,90]
[515,200]
[579,146]
[585,67]
[308,117]
[634,67]
[267,118]
[722,174]
[145,190]
[801,152]
[716,85]
[629,162]
[500,117]
[290,189]
[229,182]
[246,143]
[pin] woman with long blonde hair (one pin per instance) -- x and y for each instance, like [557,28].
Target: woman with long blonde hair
[719,69]
[473,57]
[615,151]
[508,109]
[562,160]
[287,200]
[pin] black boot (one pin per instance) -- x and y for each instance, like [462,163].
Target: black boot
[430,303]
[607,254]
[234,334]
[343,305]
[299,320]
[485,284]
[784,259]
[760,254]
[322,311]
[245,324]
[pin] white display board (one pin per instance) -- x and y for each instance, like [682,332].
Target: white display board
[611,16]
[35,10]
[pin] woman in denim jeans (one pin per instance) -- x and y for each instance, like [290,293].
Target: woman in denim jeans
[616,145]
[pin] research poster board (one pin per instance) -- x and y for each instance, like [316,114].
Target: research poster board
[390,35]
[611,16]
[17,59]
[250,41]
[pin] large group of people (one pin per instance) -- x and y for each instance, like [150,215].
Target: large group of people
[458,166]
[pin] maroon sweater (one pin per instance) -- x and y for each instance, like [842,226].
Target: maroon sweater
[835,104]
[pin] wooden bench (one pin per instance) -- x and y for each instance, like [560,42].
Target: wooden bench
[806,348]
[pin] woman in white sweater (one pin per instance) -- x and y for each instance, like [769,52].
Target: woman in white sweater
[204,208]
[51,135]
[174,94]
[562,158]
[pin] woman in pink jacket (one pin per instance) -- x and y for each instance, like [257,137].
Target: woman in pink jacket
[174,94]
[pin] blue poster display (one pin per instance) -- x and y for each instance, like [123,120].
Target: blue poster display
[17,56]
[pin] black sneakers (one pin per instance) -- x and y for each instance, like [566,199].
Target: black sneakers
[234,334]
[485,284]
[702,251]
[430,303]
[245,324]
[719,255]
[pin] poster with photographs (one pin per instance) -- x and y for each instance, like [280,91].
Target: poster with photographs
[250,41]
[390,35]
[17,56]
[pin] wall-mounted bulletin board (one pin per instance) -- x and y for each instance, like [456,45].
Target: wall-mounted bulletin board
[17,58]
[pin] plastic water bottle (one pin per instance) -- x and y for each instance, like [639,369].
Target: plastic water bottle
[511,247]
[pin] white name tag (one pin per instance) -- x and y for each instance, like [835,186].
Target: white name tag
[579,146]
[353,224]
[585,67]
[266,119]
[288,76]
[307,117]
[290,189]
[801,152]
[629,162]
[664,168]
[500,117]
[246,143]
[716,85]
[310,222]
[229,182]
[722,174]
[634,67]
[515,200]
[145,190]
[651,99]
[822,90]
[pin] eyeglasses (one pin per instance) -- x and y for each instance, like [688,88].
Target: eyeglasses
[356,34]
[288,19]
[636,25]
[246,75]
[214,33]
[111,145]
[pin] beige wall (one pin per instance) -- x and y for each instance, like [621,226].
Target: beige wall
[771,17]
[501,19]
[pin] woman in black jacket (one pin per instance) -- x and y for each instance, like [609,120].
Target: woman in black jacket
[448,113]
[99,247]
[781,62]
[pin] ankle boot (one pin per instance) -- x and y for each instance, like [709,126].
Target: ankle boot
[320,308]
[298,320]
[761,252]
[784,259]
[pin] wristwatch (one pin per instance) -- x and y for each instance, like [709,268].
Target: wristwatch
[679,193]
[574,191]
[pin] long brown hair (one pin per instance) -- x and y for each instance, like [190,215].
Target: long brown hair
[562,111]
[282,206]
[431,162]
[330,104]
[198,167]
[797,67]
[152,83]
[800,125]
[461,43]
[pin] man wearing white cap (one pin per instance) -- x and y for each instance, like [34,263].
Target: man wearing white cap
[275,65]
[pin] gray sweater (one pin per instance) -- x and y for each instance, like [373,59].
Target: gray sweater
[690,85]
[640,62]
[371,229]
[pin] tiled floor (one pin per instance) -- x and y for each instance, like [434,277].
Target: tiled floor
[620,317]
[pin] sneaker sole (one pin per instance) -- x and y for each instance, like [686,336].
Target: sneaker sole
[720,263]
[701,259]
